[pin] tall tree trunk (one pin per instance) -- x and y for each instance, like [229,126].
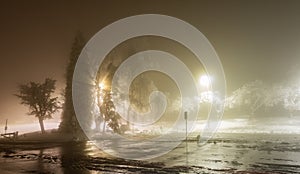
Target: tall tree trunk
[69,122]
[98,121]
[128,121]
[41,121]
[104,123]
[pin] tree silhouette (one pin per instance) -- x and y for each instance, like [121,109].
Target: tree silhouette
[38,97]
[69,122]
[107,110]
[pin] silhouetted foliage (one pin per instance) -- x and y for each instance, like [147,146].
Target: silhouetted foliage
[38,97]
[107,110]
[69,122]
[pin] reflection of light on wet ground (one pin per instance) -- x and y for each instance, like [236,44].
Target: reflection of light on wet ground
[266,125]
[242,152]
[226,153]
[92,150]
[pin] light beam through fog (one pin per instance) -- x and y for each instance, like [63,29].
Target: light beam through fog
[158,25]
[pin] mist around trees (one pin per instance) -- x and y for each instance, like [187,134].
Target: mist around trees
[69,123]
[39,98]
[107,115]
[250,99]
[257,96]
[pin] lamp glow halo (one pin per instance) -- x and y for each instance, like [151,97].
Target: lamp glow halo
[93,54]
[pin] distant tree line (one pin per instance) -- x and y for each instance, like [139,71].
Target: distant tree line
[249,99]
[257,96]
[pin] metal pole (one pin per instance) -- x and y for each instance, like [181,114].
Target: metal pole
[185,117]
[186,142]
[5,128]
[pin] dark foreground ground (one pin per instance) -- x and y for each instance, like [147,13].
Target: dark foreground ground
[226,153]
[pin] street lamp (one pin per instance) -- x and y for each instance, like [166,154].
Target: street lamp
[101,85]
[100,90]
[206,95]
[186,139]
[186,119]
[99,98]
[205,80]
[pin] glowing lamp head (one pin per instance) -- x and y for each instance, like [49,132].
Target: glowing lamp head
[101,85]
[204,80]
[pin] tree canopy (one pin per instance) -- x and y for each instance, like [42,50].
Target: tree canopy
[255,95]
[69,122]
[38,96]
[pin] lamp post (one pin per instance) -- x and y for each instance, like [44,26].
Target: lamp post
[100,118]
[186,138]
[205,81]
[5,128]
[205,95]
[186,142]
[185,117]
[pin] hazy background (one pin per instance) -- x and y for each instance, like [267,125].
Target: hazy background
[254,39]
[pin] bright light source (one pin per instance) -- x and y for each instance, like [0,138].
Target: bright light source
[101,85]
[204,80]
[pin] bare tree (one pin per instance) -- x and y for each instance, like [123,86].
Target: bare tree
[38,97]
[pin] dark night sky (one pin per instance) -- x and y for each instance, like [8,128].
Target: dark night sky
[254,39]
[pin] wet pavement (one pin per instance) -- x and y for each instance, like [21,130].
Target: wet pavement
[226,153]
